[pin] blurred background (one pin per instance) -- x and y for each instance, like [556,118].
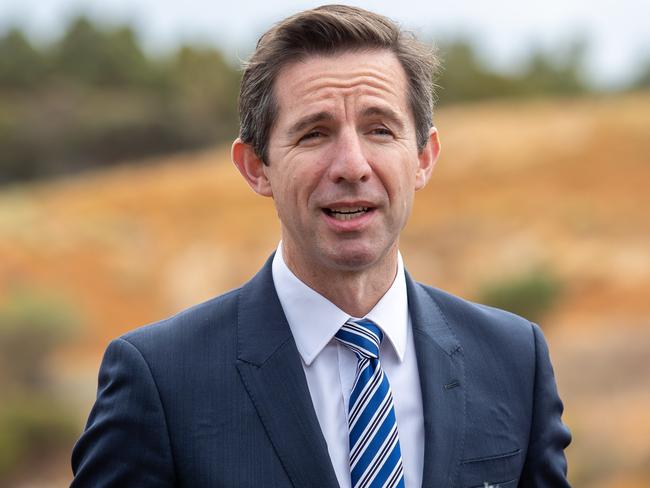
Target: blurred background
[119,205]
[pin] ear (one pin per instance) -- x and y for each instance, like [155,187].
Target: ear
[251,167]
[427,159]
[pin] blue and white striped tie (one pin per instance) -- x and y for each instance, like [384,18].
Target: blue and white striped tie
[375,455]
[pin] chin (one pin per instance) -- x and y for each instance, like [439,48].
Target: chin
[352,263]
[353,259]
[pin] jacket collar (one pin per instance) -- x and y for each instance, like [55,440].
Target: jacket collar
[271,370]
[442,380]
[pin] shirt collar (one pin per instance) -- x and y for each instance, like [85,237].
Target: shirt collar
[314,320]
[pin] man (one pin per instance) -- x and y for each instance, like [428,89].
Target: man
[331,367]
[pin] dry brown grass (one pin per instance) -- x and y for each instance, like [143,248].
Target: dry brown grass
[559,184]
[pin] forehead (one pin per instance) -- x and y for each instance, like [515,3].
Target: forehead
[352,79]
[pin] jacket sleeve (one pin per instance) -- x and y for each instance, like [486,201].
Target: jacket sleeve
[545,464]
[126,440]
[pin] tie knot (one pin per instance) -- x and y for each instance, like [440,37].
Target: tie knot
[362,336]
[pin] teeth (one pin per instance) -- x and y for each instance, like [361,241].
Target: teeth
[347,213]
[349,210]
[349,216]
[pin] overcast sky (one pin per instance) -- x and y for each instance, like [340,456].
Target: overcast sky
[617,30]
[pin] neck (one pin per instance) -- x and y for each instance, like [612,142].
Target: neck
[355,292]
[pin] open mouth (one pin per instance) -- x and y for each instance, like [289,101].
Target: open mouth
[346,213]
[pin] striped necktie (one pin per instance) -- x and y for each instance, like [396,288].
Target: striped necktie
[375,455]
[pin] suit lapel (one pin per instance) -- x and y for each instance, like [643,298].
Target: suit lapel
[270,367]
[442,380]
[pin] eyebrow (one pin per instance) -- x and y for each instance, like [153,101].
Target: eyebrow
[324,116]
[308,120]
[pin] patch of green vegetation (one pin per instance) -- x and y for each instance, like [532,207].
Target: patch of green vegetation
[33,419]
[530,294]
[31,425]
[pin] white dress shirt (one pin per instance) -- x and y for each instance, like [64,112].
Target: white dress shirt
[330,367]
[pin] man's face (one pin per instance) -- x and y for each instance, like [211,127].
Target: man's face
[343,160]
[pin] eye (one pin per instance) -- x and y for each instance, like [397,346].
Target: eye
[381,131]
[310,136]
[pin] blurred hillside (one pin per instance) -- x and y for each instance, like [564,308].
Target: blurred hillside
[555,190]
[94,97]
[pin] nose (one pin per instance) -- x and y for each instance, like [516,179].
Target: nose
[349,163]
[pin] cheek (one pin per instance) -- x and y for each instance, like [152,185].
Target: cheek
[292,192]
[308,178]
[398,179]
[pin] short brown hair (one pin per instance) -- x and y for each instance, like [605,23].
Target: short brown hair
[330,29]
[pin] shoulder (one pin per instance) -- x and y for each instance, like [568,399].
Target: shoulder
[207,322]
[481,326]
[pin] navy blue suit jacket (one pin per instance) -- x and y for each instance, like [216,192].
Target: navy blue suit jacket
[216,396]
